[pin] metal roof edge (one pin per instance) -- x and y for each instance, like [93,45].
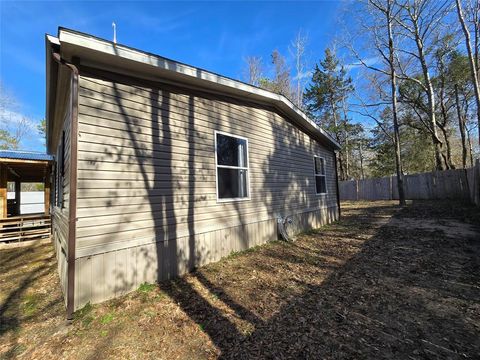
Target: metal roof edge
[25,155]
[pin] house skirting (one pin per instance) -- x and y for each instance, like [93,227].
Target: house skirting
[111,274]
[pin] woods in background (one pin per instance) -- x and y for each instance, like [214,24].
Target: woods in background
[398,90]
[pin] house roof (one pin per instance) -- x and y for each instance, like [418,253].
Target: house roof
[25,155]
[101,53]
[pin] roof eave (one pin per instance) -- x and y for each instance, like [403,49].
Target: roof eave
[192,75]
[51,83]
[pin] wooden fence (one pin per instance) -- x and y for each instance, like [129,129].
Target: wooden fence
[458,184]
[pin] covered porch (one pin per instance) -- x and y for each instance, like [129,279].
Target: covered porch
[24,195]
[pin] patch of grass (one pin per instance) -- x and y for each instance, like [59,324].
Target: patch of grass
[81,313]
[107,318]
[30,304]
[146,287]
[87,320]
[310,232]
[150,313]
[15,351]
[84,314]
[235,254]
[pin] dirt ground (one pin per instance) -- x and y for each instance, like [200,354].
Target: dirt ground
[383,282]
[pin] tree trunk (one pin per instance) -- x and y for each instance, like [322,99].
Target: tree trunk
[473,65]
[347,170]
[433,123]
[362,173]
[443,127]
[396,129]
[470,147]
[461,127]
[340,166]
[430,94]
[447,157]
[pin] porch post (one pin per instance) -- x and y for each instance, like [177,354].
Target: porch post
[17,197]
[3,191]
[47,190]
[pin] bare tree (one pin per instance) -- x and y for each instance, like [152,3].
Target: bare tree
[281,78]
[461,126]
[472,54]
[253,71]
[420,21]
[382,16]
[13,126]
[280,83]
[297,50]
[11,134]
[472,13]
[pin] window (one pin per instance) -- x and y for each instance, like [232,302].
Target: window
[320,176]
[62,163]
[231,153]
[60,172]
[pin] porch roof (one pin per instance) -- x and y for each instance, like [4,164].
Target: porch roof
[24,155]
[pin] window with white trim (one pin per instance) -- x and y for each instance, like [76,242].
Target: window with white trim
[231,153]
[320,175]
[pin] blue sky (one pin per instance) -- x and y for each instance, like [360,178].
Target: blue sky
[216,36]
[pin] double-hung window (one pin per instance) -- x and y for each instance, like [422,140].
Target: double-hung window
[320,175]
[231,153]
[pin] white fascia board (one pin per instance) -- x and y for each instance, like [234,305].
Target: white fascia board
[161,63]
[53,40]
[50,77]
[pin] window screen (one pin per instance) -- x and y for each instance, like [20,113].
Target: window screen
[320,175]
[232,167]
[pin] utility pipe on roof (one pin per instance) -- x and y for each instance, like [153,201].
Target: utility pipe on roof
[72,209]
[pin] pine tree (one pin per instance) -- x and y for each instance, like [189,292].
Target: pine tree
[325,100]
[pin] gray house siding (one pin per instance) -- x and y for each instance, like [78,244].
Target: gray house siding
[147,207]
[59,214]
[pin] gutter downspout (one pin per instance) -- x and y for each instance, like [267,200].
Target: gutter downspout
[336,182]
[72,209]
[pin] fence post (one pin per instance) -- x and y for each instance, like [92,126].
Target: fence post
[391,187]
[356,189]
[476,183]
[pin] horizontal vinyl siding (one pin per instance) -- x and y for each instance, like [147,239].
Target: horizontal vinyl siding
[59,215]
[146,165]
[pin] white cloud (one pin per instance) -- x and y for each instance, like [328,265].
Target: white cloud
[17,123]
[304,75]
[368,61]
[10,119]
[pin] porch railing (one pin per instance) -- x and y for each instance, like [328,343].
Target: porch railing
[26,227]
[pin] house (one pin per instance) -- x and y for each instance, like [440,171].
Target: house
[162,167]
